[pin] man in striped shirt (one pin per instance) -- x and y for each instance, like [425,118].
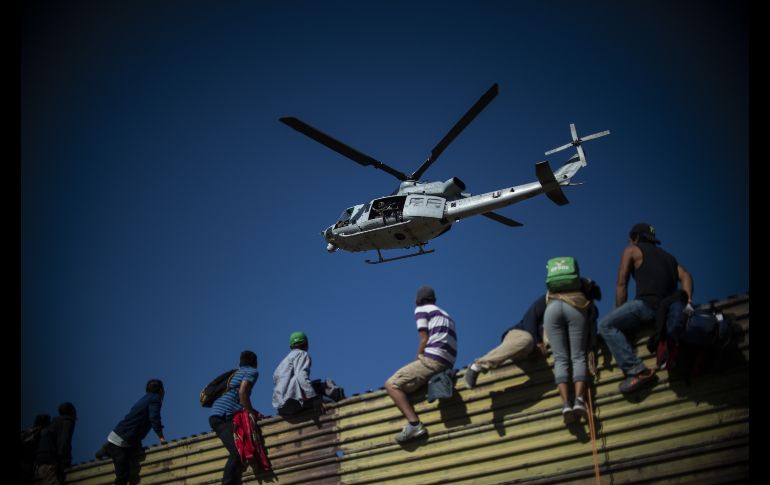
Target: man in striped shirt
[237,397]
[436,352]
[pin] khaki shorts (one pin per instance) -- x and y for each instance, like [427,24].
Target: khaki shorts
[416,374]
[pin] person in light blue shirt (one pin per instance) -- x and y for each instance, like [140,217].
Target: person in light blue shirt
[236,397]
[293,391]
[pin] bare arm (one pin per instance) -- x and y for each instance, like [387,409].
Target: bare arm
[685,279]
[244,394]
[631,255]
[423,342]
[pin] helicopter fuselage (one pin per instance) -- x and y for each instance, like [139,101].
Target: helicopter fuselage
[397,221]
[414,216]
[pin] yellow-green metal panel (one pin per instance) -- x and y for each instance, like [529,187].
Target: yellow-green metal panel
[507,429]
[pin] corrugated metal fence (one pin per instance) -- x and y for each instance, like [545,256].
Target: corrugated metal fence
[508,429]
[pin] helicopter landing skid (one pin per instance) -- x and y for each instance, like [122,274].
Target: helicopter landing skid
[385,260]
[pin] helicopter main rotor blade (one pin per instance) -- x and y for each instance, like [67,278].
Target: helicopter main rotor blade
[482,103]
[502,219]
[339,147]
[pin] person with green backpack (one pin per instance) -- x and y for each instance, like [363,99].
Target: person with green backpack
[568,309]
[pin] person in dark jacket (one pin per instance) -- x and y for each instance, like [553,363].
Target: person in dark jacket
[54,450]
[657,274]
[125,440]
[518,342]
[30,437]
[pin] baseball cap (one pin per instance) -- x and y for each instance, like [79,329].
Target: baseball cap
[646,231]
[425,293]
[297,338]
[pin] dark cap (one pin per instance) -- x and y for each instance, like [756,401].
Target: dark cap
[67,409]
[425,293]
[645,231]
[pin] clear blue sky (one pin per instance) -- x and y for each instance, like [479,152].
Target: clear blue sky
[169,221]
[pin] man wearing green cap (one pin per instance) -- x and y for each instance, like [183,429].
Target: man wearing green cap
[292,390]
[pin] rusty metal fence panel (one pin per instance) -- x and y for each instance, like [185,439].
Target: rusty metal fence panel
[508,429]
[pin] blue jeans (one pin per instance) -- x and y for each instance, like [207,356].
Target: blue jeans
[567,334]
[627,317]
[223,427]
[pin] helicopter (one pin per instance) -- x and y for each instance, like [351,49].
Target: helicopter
[418,211]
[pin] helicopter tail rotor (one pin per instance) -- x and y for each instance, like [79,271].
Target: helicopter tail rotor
[577,142]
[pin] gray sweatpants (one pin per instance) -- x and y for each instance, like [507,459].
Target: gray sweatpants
[567,332]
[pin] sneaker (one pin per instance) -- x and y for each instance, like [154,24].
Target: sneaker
[579,409]
[567,414]
[632,383]
[470,378]
[410,432]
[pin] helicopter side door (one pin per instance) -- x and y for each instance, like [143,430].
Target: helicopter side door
[420,205]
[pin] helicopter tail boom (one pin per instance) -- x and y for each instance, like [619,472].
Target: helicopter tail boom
[485,203]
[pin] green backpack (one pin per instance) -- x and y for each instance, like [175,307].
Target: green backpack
[563,274]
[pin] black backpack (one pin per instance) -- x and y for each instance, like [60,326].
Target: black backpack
[328,388]
[216,388]
[695,341]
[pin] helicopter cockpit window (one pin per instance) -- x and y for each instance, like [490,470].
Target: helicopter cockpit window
[361,211]
[351,214]
[345,216]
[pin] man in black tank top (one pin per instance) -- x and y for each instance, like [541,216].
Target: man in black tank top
[657,274]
